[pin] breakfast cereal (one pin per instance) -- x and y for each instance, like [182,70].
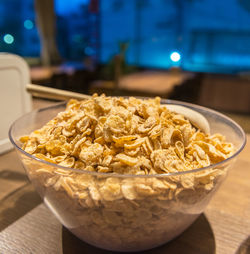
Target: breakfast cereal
[129,163]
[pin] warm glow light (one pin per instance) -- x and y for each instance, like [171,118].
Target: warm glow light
[175,56]
[28,24]
[8,38]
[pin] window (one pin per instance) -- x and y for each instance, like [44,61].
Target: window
[197,35]
[205,37]
[18,33]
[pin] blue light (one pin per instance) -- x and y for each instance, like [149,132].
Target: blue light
[28,24]
[175,56]
[66,7]
[8,38]
[89,51]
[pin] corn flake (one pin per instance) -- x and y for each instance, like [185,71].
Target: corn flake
[126,136]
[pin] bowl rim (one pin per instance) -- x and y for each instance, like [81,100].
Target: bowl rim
[94,173]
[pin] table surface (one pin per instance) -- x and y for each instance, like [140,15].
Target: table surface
[144,83]
[156,82]
[224,227]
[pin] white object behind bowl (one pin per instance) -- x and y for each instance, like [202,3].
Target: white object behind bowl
[14,100]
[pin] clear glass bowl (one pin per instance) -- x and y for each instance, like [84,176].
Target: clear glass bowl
[125,212]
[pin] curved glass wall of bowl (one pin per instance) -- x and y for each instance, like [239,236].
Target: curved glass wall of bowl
[131,218]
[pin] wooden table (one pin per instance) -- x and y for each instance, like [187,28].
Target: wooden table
[144,83]
[45,73]
[27,226]
[155,82]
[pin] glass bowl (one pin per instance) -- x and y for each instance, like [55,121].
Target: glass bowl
[125,212]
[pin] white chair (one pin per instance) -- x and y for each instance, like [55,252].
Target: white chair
[14,100]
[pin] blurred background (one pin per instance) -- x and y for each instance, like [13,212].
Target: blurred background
[191,50]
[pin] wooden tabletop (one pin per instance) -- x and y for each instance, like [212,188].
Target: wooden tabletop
[27,226]
[144,83]
[156,82]
[39,73]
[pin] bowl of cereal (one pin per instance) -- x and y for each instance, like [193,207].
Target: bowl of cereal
[126,174]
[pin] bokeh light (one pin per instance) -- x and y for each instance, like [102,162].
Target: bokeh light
[28,24]
[175,56]
[8,38]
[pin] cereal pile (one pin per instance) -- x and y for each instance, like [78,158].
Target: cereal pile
[126,136]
